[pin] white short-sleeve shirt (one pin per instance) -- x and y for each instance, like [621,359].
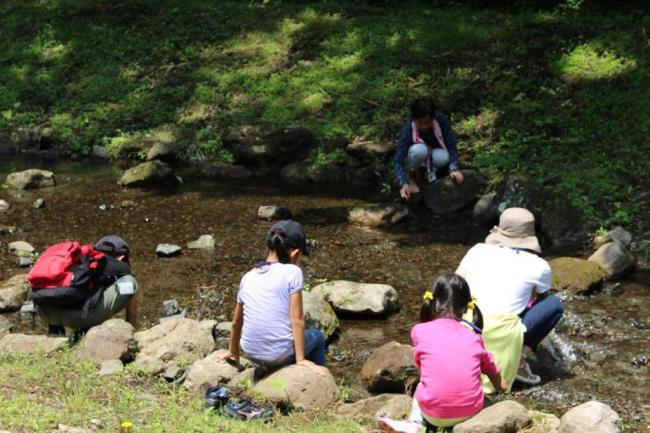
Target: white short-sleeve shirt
[503,279]
[266,297]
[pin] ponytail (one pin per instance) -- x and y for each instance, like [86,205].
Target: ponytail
[277,243]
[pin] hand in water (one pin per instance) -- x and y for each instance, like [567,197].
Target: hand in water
[457,176]
[407,189]
[316,368]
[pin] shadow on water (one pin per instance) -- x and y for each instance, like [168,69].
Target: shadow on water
[590,358]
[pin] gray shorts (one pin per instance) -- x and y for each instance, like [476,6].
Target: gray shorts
[110,303]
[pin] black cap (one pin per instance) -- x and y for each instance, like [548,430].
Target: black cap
[113,246]
[293,234]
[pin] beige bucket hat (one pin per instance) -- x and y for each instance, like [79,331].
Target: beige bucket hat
[516,229]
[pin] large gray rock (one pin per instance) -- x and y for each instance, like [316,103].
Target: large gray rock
[110,367]
[590,417]
[22,343]
[13,293]
[388,368]
[503,417]
[21,249]
[576,275]
[445,196]
[358,298]
[378,215]
[617,234]
[31,179]
[174,342]
[300,387]
[5,326]
[204,242]
[211,370]
[319,314]
[615,258]
[396,406]
[111,340]
[152,173]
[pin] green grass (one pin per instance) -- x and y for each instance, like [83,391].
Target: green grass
[559,94]
[37,393]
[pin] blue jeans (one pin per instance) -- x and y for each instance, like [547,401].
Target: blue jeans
[314,351]
[540,319]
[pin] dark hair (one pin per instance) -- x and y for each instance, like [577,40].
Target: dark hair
[451,296]
[277,242]
[423,107]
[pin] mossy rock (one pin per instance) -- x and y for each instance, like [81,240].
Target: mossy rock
[154,173]
[577,275]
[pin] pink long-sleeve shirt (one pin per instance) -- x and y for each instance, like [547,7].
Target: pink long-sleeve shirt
[451,358]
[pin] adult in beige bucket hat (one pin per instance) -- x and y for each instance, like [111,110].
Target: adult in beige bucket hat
[512,285]
[516,229]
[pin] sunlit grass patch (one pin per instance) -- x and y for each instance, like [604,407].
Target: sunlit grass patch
[591,61]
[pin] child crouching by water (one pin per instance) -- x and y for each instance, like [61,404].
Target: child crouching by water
[268,321]
[450,355]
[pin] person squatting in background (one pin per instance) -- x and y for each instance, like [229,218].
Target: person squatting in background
[450,354]
[426,149]
[268,322]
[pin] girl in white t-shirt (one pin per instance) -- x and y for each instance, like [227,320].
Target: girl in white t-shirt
[268,323]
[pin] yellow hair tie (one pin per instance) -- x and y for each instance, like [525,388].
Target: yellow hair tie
[428,296]
[471,304]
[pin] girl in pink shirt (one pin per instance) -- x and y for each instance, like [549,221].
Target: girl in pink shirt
[450,355]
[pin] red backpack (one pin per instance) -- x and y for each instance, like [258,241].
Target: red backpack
[66,274]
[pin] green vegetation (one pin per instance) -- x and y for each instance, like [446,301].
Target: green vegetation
[71,393]
[559,94]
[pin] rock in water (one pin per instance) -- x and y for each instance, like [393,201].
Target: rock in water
[22,343]
[388,368]
[300,387]
[204,242]
[358,298]
[31,179]
[39,203]
[319,314]
[4,206]
[111,340]
[590,417]
[168,250]
[577,275]
[21,249]
[211,370]
[614,258]
[505,416]
[273,213]
[13,293]
[178,342]
[153,173]
[445,196]
[617,234]
[378,215]
[396,406]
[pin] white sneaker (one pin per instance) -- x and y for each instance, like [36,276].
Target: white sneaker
[526,376]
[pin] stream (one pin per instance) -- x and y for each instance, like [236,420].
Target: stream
[597,351]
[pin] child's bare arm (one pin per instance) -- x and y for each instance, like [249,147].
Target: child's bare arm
[499,382]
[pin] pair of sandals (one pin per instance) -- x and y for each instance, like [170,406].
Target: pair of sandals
[243,409]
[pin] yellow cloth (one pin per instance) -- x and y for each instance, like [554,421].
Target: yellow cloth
[503,335]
